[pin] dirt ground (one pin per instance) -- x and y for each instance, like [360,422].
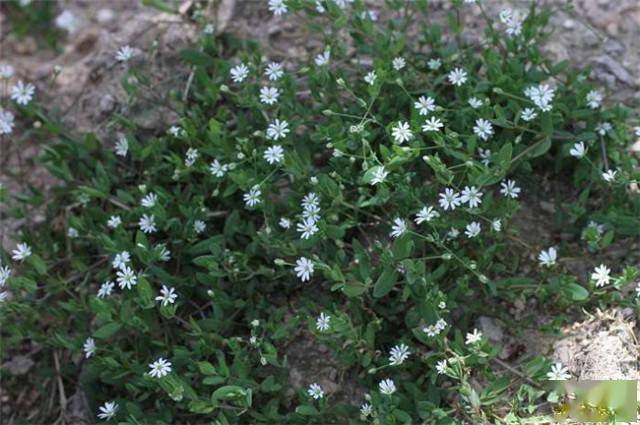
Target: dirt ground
[86,92]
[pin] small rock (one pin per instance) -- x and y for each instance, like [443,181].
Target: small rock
[107,103]
[615,68]
[613,46]
[105,15]
[18,365]
[491,328]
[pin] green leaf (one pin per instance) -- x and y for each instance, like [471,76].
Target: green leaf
[354,289]
[197,58]
[37,263]
[228,392]
[307,410]
[385,282]
[576,292]
[206,368]
[107,331]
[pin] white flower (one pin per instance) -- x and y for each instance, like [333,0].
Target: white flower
[528,114]
[637,131]
[509,189]
[449,199]
[122,146]
[108,410]
[603,128]
[199,226]
[277,7]
[310,200]
[594,99]
[6,121]
[401,132]
[312,212]
[483,129]
[239,73]
[89,347]
[322,322]
[601,275]
[285,223]
[424,105]
[432,124]
[315,391]
[274,154]
[512,21]
[126,278]
[474,337]
[124,53]
[435,329]
[22,93]
[5,273]
[176,131]
[21,252]
[269,95]
[163,253]
[274,71]
[472,230]
[453,233]
[167,296]
[475,103]
[304,268]
[218,169]
[278,129]
[379,174]
[578,150]
[252,198]
[398,228]
[541,95]
[368,14]
[149,201]
[191,157]
[370,78]
[558,373]
[307,227]
[323,58]
[434,64]
[160,368]
[458,77]
[4,295]
[548,258]
[399,63]
[365,410]
[6,71]
[147,223]
[398,354]
[441,367]
[472,196]
[387,386]
[609,175]
[105,289]
[426,214]
[114,221]
[638,289]
[485,156]
[72,232]
[66,21]
[208,29]
[121,259]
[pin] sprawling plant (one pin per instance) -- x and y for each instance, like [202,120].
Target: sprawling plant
[364,197]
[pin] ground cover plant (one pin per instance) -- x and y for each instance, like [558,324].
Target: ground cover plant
[364,198]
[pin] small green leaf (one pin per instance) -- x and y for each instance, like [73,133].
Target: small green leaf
[107,331]
[385,282]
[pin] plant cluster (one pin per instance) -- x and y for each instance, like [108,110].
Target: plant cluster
[371,188]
